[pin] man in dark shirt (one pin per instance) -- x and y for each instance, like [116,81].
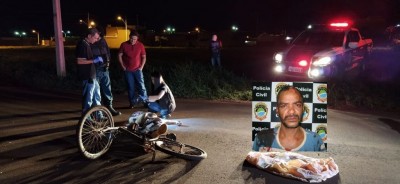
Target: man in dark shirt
[87,70]
[215,47]
[100,48]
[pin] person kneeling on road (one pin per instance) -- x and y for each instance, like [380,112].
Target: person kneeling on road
[161,99]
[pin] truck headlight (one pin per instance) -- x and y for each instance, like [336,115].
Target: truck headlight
[278,57]
[315,73]
[322,61]
[279,68]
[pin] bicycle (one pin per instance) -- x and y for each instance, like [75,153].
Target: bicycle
[96,132]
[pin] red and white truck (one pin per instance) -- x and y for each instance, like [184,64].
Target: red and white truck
[324,51]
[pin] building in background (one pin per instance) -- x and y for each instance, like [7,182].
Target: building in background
[116,35]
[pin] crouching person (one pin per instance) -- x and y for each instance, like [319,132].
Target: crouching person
[161,100]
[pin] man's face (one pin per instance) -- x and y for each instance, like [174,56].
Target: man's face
[290,108]
[93,38]
[133,39]
[155,81]
[214,37]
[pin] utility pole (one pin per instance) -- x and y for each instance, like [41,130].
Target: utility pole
[59,38]
[88,19]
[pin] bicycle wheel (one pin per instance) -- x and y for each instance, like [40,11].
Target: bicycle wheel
[181,150]
[94,135]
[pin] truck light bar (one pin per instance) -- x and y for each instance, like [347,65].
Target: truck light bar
[339,24]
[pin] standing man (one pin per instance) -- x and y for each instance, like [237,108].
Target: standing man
[215,47]
[87,70]
[290,136]
[132,57]
[101,49]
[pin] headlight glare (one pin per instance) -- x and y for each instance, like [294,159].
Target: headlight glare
[323,61]
[278,57]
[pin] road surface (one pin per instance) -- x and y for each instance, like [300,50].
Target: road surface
[37,144]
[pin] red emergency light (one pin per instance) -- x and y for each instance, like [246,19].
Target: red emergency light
[339,24]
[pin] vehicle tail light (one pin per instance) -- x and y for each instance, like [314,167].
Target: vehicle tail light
[303,63]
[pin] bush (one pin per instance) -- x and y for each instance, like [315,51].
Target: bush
[194,80]
[37,68]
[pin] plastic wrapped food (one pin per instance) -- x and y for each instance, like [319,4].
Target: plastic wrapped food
[294,165]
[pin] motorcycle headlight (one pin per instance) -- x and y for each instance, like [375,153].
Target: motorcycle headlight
[323,61]
[278,57]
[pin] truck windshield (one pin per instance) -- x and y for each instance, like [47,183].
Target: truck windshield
[320,38]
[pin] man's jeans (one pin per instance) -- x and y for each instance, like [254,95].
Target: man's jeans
[216,60]
[103,77]
[91,94]
[155,107]
[135,79]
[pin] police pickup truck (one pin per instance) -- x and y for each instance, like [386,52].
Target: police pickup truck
[324,51]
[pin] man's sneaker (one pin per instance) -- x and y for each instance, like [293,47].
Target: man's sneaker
[113,111]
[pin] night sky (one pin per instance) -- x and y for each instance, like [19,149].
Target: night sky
[210,15]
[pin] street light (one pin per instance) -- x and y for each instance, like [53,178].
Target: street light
[169,30]
[90,25]
[65,33]
[126,26]
[234,28]
[37,33]
[81,21]
[20,34]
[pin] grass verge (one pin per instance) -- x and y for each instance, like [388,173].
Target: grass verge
[186,78]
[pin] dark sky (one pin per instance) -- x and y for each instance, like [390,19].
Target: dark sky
[211,15]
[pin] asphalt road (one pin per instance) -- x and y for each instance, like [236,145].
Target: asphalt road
[38,145]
